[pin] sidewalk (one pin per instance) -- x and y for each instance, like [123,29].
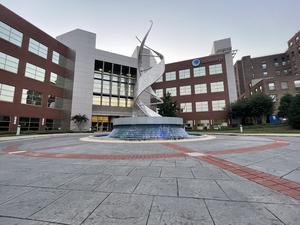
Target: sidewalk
[249,134]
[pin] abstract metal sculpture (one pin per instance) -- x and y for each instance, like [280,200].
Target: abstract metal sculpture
[146,77]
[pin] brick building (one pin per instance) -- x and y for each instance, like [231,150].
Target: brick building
[274,75]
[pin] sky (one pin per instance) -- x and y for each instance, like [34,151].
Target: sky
[183,29]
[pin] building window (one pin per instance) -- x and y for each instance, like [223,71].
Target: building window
[199,71]
[122,89]
[172,91]
[31,97]
[170,76]
[217,86]
[276,64]
[185,90]
[264,66]
[183,74]
[4,123]
[265,73]
[106,87]
[55,102]
[96,100]
[129,103]
[283,63]
[202,106]
[284,85]
[35,72]
[122,102]
[200,88]
[59,59]
[273,97]
[105,101]
[215,69]
[297,83]
[113,101]
[10,34]
[9,63]
[114,88]
[53,124]
[218,105]
[278,72]
[29,123]
[186,107]
[7,93]
[271,86]
[159,93]
[38,48]
[57,80]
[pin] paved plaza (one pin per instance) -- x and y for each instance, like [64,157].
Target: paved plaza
[228,180]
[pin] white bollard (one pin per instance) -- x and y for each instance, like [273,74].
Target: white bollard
[241,128]
[18,130]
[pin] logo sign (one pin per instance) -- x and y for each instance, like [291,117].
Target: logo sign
[196,62]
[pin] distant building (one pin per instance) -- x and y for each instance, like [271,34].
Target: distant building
[36,77]
[273,75]
[202,87]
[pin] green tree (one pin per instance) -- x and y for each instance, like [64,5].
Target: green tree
[294,112]
[285,103]
[79,120]
[260,107]
[239,110]
[168,107]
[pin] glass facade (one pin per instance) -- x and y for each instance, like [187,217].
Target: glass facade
[29,123]
[60,59]
[38,48]
[35,72]
[53,124]
[31,97]
[7,93]
[9,63]
[55,102]
[57,80]
[113,84]
[4,123]
[10,34]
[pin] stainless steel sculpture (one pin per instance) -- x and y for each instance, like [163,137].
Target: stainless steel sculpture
[146,77]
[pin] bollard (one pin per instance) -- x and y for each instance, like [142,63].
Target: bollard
[18,130]
[241,128]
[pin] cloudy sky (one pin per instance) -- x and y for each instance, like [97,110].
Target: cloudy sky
[183,29]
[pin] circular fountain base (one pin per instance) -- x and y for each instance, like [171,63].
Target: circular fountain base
[147,128]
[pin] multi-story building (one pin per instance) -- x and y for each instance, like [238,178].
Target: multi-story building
[274,75]
[202,87]
[36,77]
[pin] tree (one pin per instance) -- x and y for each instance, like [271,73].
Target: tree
[239,110]
[285,103]
[79,120]
[260,106]
[294,112]
[168,107]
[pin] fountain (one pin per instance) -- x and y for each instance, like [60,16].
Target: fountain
[145,123]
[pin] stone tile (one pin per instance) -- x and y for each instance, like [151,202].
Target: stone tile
[72,208]
[123,184]
[9,192]
[197,188]
[163,163]
[29,203]
[118,170]
[146,172]
[188,162]
[12,221]
[176,172]
[157,186]
[240,213]
[210,173]
[173,210]
[250,191]
[86,182]
[289,214]
[294,176]
[54,180]
[121,209]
